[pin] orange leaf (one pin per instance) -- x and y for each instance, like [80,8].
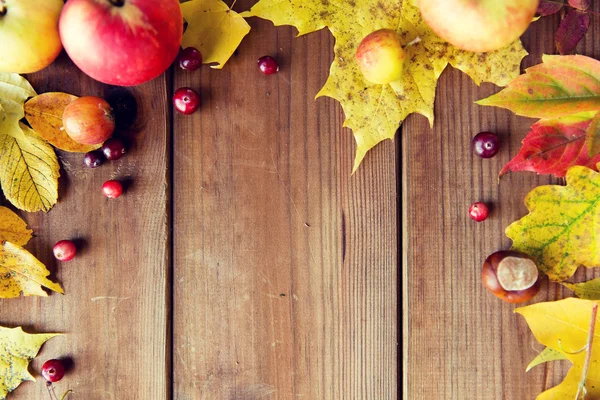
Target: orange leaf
[560,86]
[44,114]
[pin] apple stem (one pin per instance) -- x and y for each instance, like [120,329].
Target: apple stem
[413,42]
[117,3]
[581,390]
[2,7]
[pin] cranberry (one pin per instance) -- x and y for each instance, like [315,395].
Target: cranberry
[112,189]
[64,250]
[186,100]
[113,149]
[190,59]
[268,65]
[93,159]
[53,370]
[485,144]
[478,212]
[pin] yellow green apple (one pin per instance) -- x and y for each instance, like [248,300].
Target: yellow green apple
[29,34]
[478,25]
[380,56]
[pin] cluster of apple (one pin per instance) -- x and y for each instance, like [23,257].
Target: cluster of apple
[477,26]
[117,42]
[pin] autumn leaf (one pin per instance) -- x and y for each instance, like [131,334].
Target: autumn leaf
[44,114]
[28,165]
[554,145]
[589,290]
[13,228]
[21,272]
[560,86]
[592,140]
[563,326]
[545,356]
[374,112]
[214,29]
[29,170]
[548,7]
[562,230]
[571,30]
[17,349]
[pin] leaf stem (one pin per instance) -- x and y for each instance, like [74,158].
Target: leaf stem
[232,4]
[413,42]
[581,391]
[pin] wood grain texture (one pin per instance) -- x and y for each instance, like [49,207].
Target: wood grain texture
[460,342]
[285,266]
[116,306]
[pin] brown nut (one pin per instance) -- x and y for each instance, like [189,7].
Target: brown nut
[511,276]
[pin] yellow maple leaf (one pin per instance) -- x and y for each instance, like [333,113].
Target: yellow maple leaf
[374,112]
[17,349]
[44,114]
[214,29]
[21,272]
[13,228]
[562,229]
[563,326]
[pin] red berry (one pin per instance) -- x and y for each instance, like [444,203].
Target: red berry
[486,144]
[478,212]
[93,159]
[190,59]
[113,149]
[64,250]
[53,370]
[186,100]
[268,65]
[112,189]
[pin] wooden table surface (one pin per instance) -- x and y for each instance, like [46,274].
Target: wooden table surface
[245,262]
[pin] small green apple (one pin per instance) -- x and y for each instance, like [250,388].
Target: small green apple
[29,34]
[380,56]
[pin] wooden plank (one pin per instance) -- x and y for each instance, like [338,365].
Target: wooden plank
[115,311]
[460,342]
[285,265]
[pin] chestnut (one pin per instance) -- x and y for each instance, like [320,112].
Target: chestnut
[511,276]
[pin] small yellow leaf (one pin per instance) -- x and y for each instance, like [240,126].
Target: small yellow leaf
[13,228]
[562,230]
[17,349]
[563,326]
[44,114]
[29,169]
[545,356]
[374,112]
[20,272]
[214,29]
[589,290]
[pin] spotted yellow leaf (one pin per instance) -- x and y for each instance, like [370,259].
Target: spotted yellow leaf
[214,29]
[589,290]
[21,272]
[545,356]
[13,228]
[44,114]
[374,112]
[562,230]
[17,349]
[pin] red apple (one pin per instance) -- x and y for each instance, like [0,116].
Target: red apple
[122,42]
[478,25]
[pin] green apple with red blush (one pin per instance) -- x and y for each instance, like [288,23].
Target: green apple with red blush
[380,57]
